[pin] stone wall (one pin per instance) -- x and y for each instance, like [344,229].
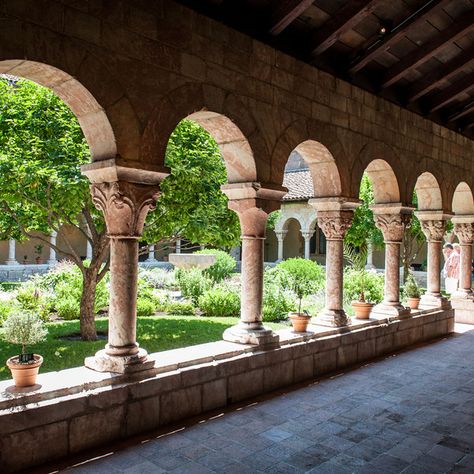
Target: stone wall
[91,409]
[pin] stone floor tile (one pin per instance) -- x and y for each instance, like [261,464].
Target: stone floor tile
[389,464]
[434,465]
[145,467]
[330,467]
[275,434]
[305,461]
[195,451]
[446,454]
[169,461]
[190,468]
[284,468]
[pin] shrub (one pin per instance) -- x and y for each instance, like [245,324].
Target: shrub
[24,328]
[220,301]
[181,308]
[222,268]
[68,308]
[277,302]
[301,276]
[6,308]
[192,283]
[369,283]
[159,278]
[145,307]
[411,288]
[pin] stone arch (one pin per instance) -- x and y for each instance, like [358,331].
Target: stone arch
[222,114]
[91,116]
[385,171]
[322,151]
[463,201]
[293,242]
[284,221]
[428,193]
[384,182]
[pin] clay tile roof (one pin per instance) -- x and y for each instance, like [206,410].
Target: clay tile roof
[299,184]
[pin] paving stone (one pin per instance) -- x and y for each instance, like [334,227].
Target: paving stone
[445,454]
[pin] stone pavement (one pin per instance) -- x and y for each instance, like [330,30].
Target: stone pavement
[412,412]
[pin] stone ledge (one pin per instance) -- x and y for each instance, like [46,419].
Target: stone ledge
[215,374]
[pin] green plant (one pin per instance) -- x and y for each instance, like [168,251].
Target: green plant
[67,308]
[277,302]
[145,307]
[6,308]
[181,308]
[368,282]
[220,302]
[192,283]
[301,276]
[222,268]
[411,288]
[159,278]
[357,258]
[24,328]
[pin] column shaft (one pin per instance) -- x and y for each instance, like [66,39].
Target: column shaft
[334,275]
[11,252]
[465,270]
[392,273]
[434,259]
[151,253]
[52,252]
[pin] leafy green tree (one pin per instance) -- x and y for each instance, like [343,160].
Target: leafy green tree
[41,187]
[413,241]
[191,205]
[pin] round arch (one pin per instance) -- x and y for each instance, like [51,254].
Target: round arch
[463,201]
[384,182]
[91,116]
[283,223]
[225,117]
[428,193]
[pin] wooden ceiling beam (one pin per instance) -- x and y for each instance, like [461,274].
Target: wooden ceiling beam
[285,12]
[457,30]
[454,91]
[462,112]
[347,17]
[444,72]
[392,37]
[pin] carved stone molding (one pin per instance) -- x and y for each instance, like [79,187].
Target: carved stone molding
[392,225]
[308,235]
[125,206]
[335,224]
[433,229]
[464,232]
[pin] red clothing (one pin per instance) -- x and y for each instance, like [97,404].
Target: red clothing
[451,266]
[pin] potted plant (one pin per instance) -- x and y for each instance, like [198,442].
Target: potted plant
[357,258]
[38,251]
[412,292]
[301,276]
[25,258]
[26,329]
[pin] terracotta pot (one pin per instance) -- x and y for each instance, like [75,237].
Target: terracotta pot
[299,321]
[24,375]
[413,302]
[362,309]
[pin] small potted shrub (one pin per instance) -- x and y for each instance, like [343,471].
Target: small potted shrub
[302,277]
[38,251]
[412,292]
[26,329]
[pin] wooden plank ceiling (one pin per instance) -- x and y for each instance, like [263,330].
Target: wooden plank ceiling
[417,53]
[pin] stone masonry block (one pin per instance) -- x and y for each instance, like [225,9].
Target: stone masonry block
[214,394]
[107,397]
[329,342]
[278,375]
[303,368]
[366,350]
[198,375]
[346,355]
[142,416]
[33,446]
[245,385]
[95,429]
[180,404]
[384,344]
[159,384]
[325,362]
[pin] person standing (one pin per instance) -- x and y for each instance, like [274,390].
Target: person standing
[452,267]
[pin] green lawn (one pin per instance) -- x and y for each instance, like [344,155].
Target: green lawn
[155,334]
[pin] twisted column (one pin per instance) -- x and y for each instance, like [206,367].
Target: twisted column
[433,225]
[392,221]
[253,204]
[125,196]
[465,234]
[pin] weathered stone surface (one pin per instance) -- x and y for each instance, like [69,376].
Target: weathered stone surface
[180,404]
[303,368]
[245,385]
[214,394]
[277,375]
[142,415]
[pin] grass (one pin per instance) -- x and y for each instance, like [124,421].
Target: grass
[157,333]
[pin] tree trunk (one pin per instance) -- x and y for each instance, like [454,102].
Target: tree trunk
[87,314]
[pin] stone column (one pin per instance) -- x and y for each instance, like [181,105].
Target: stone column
[52,252]
[151,254]
[334,219]
[307,239]
[253,204]
[370,256]
[88,250]
[178,246]
[11,253]
[280,235]
[125,202]
[391,219]
[433,224]
[464,230]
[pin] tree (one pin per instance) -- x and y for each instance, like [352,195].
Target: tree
[191,205]
[41,186]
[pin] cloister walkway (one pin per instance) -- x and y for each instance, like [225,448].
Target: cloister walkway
[412,412]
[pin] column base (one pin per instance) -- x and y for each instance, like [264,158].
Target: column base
[428,301]
[52,262]
[255,334]
[334,318]
[462,295]
[12,262]
[383,310]
[120,364]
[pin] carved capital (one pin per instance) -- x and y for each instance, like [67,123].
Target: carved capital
[392,225]
[125,206]
[335,224]
[433,229]
[464,232]
[308,235]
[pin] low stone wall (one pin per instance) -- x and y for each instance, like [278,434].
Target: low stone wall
[78,409]
[463,310]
